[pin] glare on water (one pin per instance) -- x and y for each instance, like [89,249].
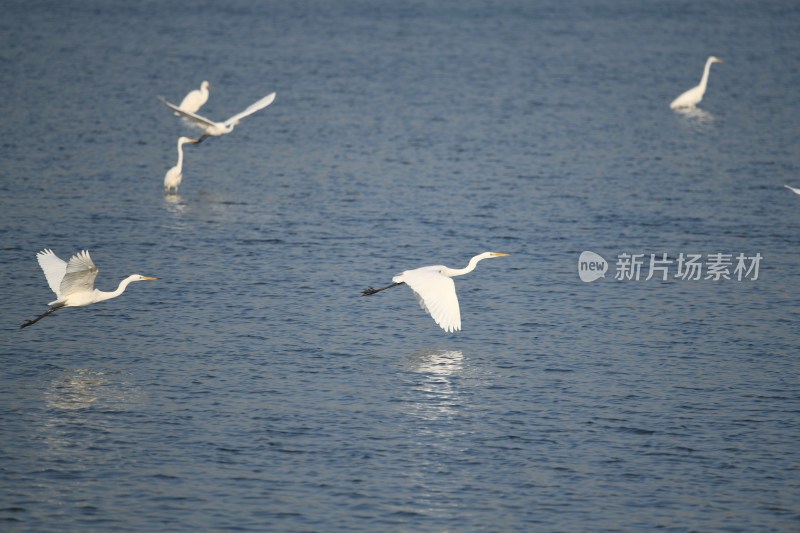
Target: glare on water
[253,387]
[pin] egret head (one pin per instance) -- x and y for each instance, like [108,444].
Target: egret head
[486,255]
[715,59]
[139,277]
[205,86]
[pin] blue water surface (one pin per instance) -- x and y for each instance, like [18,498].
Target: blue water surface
[252,387]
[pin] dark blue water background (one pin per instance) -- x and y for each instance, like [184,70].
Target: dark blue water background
[252,388]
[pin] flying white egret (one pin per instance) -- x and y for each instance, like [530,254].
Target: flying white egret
[692,97]
[193,101]
[174,176]
[215,129]
[793,189]
[73,282]
[435,291]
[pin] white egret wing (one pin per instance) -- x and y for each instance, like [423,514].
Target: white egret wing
[793,189]
[54,269]
[194,118]
[688,99]
[81,272]
[436,294]
[261,104]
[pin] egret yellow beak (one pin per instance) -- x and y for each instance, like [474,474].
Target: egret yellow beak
[149,278]
[498,254]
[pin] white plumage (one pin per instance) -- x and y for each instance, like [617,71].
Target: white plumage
[435,290]
[215,129]
[193,101]
[174,176]
[693,96]
[54,269]
[436,293]
[73,282]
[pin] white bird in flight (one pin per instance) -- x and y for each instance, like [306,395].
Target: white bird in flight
[73,282]
[793,189]
[215,129]
[193,101]
[693,96]
[174,176]
[435,291]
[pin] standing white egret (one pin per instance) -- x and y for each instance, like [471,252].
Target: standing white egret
[193,101]
[435,291]
[692,97]
[73,282]
[215,129]
[793,189]
[174,176]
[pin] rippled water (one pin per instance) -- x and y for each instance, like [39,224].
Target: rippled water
[253,388]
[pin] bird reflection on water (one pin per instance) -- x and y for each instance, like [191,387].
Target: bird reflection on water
[436,394]
[80,403]
[439,362]
[75,389]
[175,203]
[695,113]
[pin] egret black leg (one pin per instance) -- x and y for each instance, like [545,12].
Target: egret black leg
[38,318]
[203,138]
[370,290]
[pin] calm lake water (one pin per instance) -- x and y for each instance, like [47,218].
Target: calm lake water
[252,388]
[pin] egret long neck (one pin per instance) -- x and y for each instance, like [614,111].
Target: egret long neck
[180,157]
[706,71]
[102,295]
[452,272]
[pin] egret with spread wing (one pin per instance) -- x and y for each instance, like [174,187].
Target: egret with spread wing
[73,282]
[215,129]
[435,291]
[193,101]
[174,176]
[693,96]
